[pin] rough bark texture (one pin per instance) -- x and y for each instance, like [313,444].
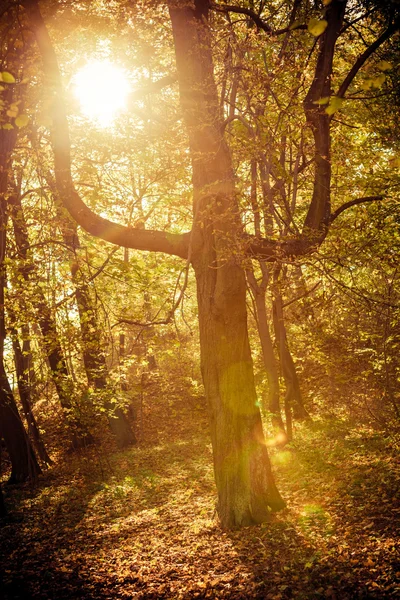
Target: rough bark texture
[246,489]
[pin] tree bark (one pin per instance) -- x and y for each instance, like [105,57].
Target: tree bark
[245,485]
[293,397]
[246,489]
[271,368]
[24,389]
[23,460]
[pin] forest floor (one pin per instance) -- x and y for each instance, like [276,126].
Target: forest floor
[141,523]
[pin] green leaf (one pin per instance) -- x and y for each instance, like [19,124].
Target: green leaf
[334,104]
[324,100]
[7,77]
[317,27]
[22,121]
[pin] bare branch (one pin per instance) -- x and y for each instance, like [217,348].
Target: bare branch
[351,203]
[365,55]
[303,295]
[261,24]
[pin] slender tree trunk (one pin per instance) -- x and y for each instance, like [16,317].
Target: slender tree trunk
[267,347]
[22,369]
[93,353]
[293,397]
[245,484]
[80,436]
[23,460]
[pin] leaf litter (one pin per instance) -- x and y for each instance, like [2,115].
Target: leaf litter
[142,524]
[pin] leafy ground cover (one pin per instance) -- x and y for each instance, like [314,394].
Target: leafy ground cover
[142,523]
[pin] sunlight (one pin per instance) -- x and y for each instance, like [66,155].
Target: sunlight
[102,89]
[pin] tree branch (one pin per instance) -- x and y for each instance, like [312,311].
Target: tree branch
[364,57]
[351,203]
[261,24]
[139,239]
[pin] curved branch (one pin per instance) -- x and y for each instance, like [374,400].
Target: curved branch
[365,55]
[139,239]
[351,203]
[261,24]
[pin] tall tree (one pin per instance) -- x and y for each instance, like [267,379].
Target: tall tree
[216,244]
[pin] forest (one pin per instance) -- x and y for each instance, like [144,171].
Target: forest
[199,299]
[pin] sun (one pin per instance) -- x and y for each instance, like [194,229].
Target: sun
[102,90]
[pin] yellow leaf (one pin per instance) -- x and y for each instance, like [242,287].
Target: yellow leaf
[324,100]
[317,27]
[7,126]
[394,162]
[22,120]
[378,82]
[7,77]
[384,65]
[366,84]
[334,104]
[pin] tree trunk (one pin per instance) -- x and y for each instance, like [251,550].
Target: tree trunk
[246,488]
[293,398]
[93,353]
[24,389]
[80,436]
[270,365]
[23,460]
[245,485]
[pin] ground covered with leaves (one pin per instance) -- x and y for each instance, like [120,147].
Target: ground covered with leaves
[142,523]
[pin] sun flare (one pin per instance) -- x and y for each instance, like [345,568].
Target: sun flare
[102,89]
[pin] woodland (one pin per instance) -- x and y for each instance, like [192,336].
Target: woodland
[199,299]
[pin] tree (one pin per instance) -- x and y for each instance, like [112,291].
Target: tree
[216,245]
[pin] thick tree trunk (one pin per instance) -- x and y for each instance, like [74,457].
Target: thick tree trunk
[246,489]
[23,460]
